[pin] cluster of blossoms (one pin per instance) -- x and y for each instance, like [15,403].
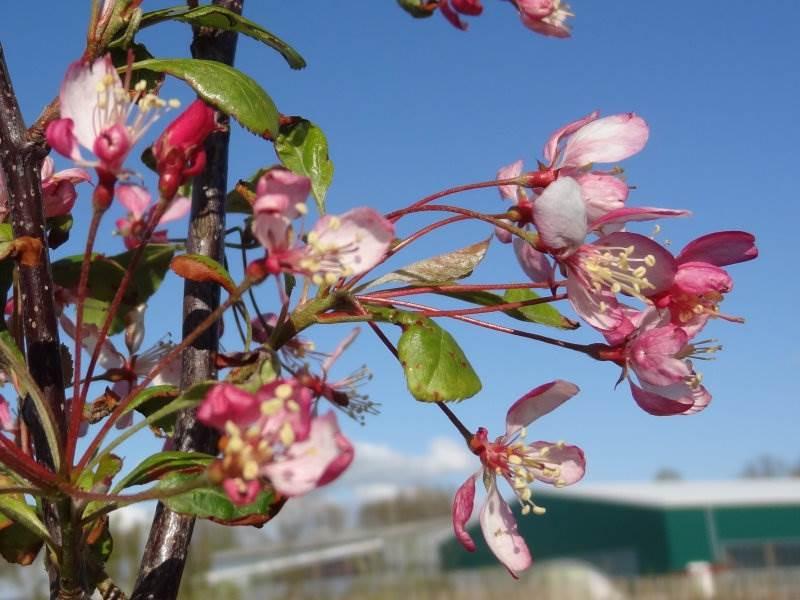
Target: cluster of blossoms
[569,202]
[272,438]
[547,17]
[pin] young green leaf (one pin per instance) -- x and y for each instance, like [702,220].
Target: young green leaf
[450,266]
[435,367]
[543,314]
[210,502]
[303,148]
[224,88]
[158,465]
[218,17]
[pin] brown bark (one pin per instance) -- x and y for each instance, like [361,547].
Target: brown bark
[168,544]
[21,164]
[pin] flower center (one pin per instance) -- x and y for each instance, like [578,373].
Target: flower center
[616,269]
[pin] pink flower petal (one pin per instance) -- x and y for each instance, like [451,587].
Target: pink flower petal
[79,97]
[663,401]
[568,461]
[135,198]
[468,7]
[463,504]
[536,9]
[360,238]
[500,531]
[536,403]
[701,278]
[308,462]
[536,265]
[61,137]
[281,192]
[451,15]
[606,140]
[636,213]
[602,193]
[599,309]
[551,146]
[720,248]
[509,192]
[652,356]
[560,216]
[225,402]
[179,208]
[7,420]
[556,29]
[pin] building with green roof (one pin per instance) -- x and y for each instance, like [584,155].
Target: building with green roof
[649,528]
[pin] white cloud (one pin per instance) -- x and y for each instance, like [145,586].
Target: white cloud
[379,471]
[133,516]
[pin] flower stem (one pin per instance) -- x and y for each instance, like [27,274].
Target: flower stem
[394,215]
[116,302]
[75,412]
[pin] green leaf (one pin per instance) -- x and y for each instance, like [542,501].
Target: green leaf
[105,277]
[438,269]
[543,314]
[419,9]
[156,466]
[303,148]
[211,503]
[153,399]
[12,362]
[196,267]
[218,17]
[225,88]
[435,366]
[17,510]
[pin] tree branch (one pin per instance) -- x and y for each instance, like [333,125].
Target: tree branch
[21,166]
[167,547]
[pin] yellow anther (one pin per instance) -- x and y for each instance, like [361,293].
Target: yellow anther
[271,406]
[301,208]
[250,470]
[287,435]
[174,103]
[331,278]
[650,260]
[539,510]
[283,391]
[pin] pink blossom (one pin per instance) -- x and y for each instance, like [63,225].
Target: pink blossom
[616,263]
[519,464]
[95,110]
[337,246]
[58,189]
[139,204]
[547,17]
[700,282]
[658,353]
[314,462]
[271,437]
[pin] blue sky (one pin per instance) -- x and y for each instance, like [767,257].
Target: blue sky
[411,107]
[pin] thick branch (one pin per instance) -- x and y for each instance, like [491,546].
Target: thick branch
[167,547]
[21,164]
